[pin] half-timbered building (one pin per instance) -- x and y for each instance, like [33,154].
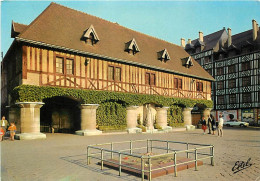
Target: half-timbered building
[234,61]
[66,48]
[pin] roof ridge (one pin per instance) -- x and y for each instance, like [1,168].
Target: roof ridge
[36,19]
[242,32]
[113,23]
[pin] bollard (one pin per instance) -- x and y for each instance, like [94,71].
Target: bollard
[88,157]
[147,146]
[131,147]
[175,162]
[120,164]
[187,150]
[196,163]
[212,154]
[112,150]
[151,145]
[142,168]
[167,146]
[102,157]
[150,168]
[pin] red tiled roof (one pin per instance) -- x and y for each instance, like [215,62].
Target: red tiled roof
[61,26]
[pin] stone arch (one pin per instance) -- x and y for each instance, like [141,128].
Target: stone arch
[60,113]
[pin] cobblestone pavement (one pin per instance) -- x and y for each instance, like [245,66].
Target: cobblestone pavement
[63,157]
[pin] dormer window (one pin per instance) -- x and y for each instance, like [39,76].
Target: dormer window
[90,36]
[131,47]
[187,62]
[163,55]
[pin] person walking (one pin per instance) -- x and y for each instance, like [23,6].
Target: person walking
[204,125]
[12,129]
[209,124]
[213,123]
[4,123]
[220,126]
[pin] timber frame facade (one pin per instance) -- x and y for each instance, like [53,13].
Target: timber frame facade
[234,61]
[133,63]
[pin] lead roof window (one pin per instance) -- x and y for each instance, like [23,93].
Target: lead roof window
[132,47]
[187,62]
[90,35]
[163,55]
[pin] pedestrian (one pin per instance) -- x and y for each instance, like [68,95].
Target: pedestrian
[4,124]
[12,129]
[220,126]
[204,125]
[213,123]
[209,124]
[2,133]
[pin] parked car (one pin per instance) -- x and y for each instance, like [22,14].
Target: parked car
[235,123]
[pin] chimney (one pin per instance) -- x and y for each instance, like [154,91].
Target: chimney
[254,24]
[189,41]
[229,37]
[200,36]
[183,42]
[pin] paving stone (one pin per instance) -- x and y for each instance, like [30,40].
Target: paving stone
[63,157]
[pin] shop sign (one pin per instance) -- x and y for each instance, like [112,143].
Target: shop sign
[248,115]
[228,114]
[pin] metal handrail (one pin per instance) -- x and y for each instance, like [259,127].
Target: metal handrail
[149,158]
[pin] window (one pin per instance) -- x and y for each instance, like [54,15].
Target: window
[114,73]
[209,71]
[232,99]
[177,83]
[69,66]
[245,66]
[59,65]
[232,83]
[163,55]
[110,73]
[131,47]
[149,78]
[231,69]
[220,71]
[199,86]
[118,74]
[246,81]
[246,98]
[207,60]
[199,61]
[221,100]
[90,36]
[220,85]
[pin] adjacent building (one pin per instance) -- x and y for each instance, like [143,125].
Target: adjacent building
[65,48]
[234,62]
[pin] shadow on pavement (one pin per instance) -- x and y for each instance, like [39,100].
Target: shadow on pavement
[81,160]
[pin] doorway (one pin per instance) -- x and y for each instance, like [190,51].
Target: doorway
[60,113]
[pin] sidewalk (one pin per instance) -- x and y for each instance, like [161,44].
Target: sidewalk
[63,157]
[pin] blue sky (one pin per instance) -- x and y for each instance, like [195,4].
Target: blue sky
[167,20]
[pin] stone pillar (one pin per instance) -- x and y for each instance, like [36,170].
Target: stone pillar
[161,117]
[187,118]
[30,121]
[88,120]
[131,120]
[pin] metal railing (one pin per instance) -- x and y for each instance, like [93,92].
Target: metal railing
[146,160]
